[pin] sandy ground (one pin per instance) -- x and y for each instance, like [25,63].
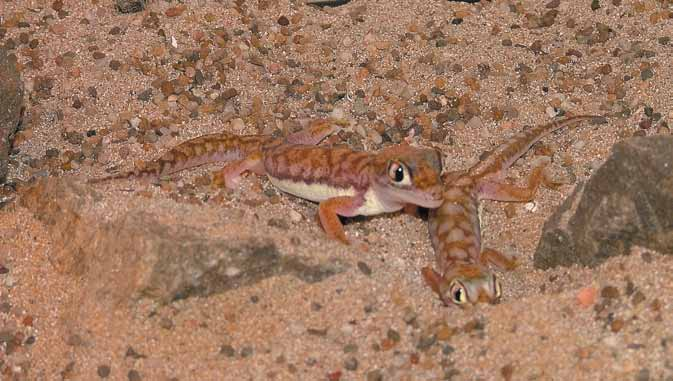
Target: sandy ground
[460,77]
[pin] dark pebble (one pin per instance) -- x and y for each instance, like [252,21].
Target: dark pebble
[646,74]
[134,375]
[317,332]
[630,288]
[350,348]
[374,375]
[227,350]
[3,270]
[130,352]
[130,6]
[610,292]
[664,40]
[351,364]
[93,93]
[426,342]
[447,350]
[393,335]
[434,105]
[115,30]
[595,4]
[51,153]
[229,93]
[103,371]
[283,21]
[364,268]
[637,298]
[91,133]
[76,103]
[646,257]
[145,96]
[246,352]
[115,65]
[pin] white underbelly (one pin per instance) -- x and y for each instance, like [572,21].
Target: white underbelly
[374,205]
[314,192]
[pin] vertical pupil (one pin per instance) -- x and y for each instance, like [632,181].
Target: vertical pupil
[399,174]
[457,295]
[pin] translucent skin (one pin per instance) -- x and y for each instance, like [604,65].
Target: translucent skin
[343,181]
[463,276]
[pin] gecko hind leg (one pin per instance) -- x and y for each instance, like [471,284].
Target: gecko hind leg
[498,259]
[313,134]
[491,190]
[230,174]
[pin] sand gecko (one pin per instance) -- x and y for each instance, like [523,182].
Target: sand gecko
[344,182]
[464,276]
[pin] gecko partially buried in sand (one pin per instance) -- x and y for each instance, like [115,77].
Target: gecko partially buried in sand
[462,276]
[344,182]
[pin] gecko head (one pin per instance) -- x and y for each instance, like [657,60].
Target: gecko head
[409,175]
[465,285]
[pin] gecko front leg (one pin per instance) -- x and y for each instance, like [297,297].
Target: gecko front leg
[330,210]
[230,174]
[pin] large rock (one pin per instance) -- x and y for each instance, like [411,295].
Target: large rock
[135,255]
[627,202]
[11,102]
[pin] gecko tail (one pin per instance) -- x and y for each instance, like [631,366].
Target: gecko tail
[144,175]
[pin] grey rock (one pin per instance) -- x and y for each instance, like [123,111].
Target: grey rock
[627,202]
[11,102]
[130,6]
[135,255]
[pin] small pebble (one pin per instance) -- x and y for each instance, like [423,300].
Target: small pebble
[103,371]
[617,325]
[637,298]
[646,74]
[351,364]
[227,350]
[610,292]
[246,352]
[374,375]
[283,21]
[426,342]
[364,268]
[409,315]
[587,296]
[393,335]
[130,6]
[133,375]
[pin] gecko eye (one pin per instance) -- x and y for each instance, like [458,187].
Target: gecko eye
[399,173]
[497,288]
[457,293]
